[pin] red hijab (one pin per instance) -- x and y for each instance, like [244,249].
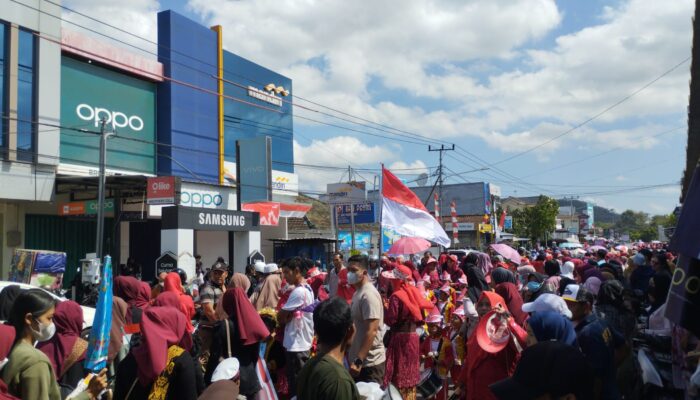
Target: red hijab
[161,327]
[133,292]
[116,333]
[513,300]
[68,319]
[251,327]
[409,295]
[345,290]
[7,338]
[172,283]
[475,354]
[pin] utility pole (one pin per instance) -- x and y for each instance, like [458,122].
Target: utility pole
[352,213]
[104,135]
[440,149]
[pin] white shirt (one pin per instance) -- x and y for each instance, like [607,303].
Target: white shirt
[299,332]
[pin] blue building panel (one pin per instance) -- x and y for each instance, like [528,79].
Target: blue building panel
[246,116]
[187,102]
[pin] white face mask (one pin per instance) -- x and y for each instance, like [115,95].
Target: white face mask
[45,332]
[4,362]
[353,278]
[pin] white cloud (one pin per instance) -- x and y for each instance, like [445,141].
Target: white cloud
[416,167]
[138,17]
[620,178]
[339,151]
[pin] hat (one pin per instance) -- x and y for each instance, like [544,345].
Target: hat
[219,267]
[226,370]
[639,259]
[548,367]
[493,333]
[434,317]
[270,268]
[548,302]
[577,294]
[401,272]
[431,260]
[459,311]
[453,257]
[259,267]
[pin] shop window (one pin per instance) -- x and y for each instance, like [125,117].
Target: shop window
[26,104]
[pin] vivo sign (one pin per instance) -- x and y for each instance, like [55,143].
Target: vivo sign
[116,119]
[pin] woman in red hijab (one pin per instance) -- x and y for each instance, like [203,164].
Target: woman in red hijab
[404,313]
[172,283]
[160,366]
[513,300]
[482,368]
[239,336]
[7,338]
[66,350]
[170,299]
[137,295]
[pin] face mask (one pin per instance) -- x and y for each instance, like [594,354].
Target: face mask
[45,332]
[353,278]
[4,362]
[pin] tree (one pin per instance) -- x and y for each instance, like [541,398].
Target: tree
[537,221]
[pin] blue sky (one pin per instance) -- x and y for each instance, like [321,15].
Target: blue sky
[496,78]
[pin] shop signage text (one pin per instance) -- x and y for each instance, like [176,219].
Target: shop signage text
[178,217]
[84,207]
[264,96]
[115,119]
[461,226]
[161,190]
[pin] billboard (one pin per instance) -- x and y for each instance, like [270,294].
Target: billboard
[364,213]
[389,236]
[90,94]
[351,192]
[363,240]
[254,169]
[161,190]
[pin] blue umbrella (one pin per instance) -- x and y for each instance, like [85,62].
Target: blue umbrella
[98,342]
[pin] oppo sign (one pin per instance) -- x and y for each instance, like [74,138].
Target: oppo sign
[116,119]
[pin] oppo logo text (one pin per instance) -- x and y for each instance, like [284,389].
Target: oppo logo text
[116,119]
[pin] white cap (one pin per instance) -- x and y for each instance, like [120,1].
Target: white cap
[260,267]
[226,370]
[548,302]
[270,268]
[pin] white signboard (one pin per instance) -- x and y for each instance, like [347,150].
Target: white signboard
[461,226]
[340,193]
[199,195]
[495,190]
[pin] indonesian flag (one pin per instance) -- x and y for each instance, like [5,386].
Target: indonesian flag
[502,221]
[403,212]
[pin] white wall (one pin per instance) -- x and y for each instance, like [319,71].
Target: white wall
[210,245]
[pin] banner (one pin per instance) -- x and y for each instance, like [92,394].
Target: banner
[683,303]
[98,342]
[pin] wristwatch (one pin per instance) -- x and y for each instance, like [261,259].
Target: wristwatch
[358,362]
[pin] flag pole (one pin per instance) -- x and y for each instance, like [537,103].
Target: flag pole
[381,202]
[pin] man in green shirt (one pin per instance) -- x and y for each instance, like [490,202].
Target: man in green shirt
[324,377]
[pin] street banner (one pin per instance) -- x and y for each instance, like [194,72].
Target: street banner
[98,341]
[683,303]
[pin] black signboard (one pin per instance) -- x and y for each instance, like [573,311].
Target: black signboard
[167,262]
[209,219]
[255,256]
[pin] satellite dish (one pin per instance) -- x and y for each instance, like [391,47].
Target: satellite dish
[422,179]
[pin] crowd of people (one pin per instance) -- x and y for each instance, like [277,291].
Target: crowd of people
[557,324]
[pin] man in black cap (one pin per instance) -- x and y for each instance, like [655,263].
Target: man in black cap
[213,290]
[603,347]
[548,370]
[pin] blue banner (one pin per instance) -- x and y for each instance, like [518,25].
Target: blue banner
[364,213]
[389,236]
[50,263]
[363,240]
[98,342]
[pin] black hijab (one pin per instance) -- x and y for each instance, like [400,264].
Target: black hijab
[476,281]
[7,299]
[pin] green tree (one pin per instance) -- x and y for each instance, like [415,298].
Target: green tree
[537,221]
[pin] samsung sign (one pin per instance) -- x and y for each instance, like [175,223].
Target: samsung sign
[178,217]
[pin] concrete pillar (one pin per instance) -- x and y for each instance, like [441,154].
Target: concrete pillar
[244,243]
[181,243]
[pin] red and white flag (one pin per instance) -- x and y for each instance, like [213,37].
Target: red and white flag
[403,212]
[455,226]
